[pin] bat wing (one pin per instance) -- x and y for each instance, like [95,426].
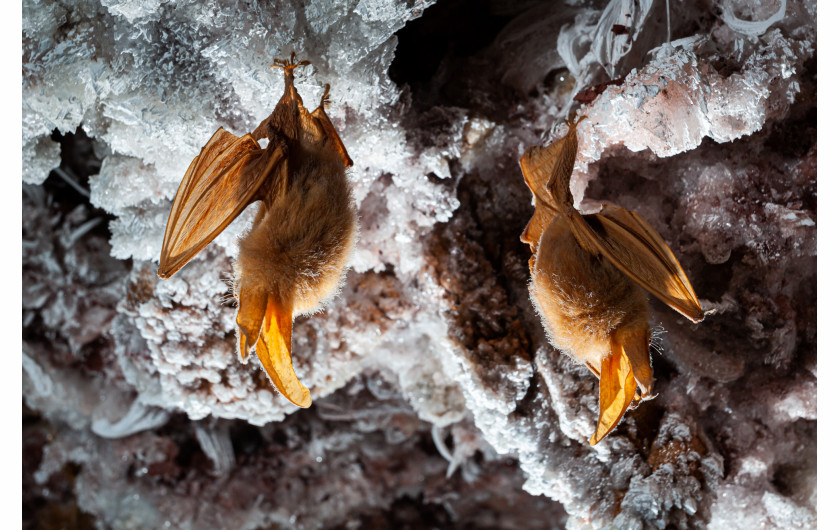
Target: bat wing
[274,351]
[537,164]
[333,140]
[637,250]
[221,181]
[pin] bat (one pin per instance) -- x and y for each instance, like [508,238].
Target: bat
[589,277]
[295,255]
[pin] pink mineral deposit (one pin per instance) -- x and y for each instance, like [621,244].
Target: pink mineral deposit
[437,398]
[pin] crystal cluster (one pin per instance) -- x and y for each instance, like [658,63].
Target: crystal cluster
[437,397]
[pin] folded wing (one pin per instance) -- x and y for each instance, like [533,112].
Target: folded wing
[636,249]
[331,135]
[221,181]
[537,164]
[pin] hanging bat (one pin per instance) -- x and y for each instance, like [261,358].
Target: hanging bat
[295,254]
[589,274]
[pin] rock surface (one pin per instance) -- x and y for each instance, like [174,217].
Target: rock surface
[438,400]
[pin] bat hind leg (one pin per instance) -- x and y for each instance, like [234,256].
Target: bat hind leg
[325,99]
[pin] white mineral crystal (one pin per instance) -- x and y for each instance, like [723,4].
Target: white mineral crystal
[433,334]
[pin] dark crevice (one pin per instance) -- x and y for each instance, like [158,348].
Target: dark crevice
[453,30]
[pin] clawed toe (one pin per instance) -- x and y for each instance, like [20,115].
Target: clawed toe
[288,64]
[325,99]
[575,120]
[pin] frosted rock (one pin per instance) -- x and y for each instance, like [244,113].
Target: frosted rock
[123,182]
[39,157]
[132,11]
[437,397]
[138,418]
[671,105]
[217,446]
[784,513]
[41,382]
[752,28]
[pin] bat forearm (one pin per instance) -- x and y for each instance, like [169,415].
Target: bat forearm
[262,130]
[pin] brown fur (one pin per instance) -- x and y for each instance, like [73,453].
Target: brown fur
[302,238]
[299,248]
[588,275]
[581,297]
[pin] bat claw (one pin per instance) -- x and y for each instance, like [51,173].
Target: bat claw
[638,399]
[325,99]
[288,65]
[574,120]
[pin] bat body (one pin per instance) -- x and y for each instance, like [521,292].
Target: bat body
[295,255]
[589,274]
[582,299]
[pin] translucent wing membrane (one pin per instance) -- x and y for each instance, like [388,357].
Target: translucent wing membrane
[332,138]
[637,250]
[221,181]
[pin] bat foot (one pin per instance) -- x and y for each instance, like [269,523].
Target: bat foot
[638,399]
[288,65]
[325,99]
[574,120]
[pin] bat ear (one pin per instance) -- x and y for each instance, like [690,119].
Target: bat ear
[274,351]
[636,345]
[617,390]
[249,319]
